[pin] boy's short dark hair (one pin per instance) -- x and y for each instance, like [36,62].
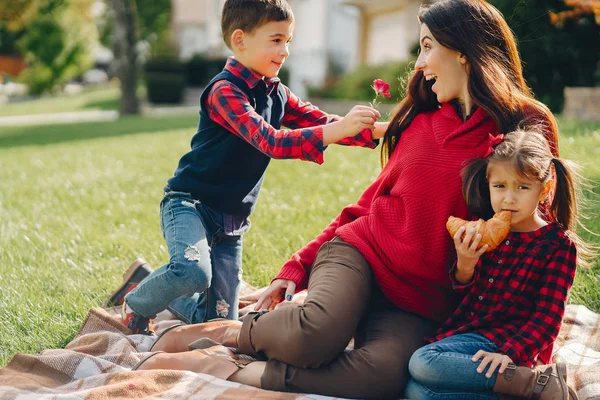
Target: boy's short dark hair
[249,15]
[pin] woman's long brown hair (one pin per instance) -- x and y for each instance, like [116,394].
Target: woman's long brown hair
[477,30]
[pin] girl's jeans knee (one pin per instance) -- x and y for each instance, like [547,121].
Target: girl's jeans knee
[202,279]
[445,368]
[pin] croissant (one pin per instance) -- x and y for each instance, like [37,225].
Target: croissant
[493,231]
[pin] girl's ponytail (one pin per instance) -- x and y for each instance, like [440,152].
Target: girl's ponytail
[565,208]
[564,205]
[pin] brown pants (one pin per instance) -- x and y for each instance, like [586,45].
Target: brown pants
[305,344]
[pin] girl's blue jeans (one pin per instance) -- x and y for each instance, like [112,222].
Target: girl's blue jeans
[203,276]
[444,370]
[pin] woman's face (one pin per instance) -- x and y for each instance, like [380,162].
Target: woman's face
[448,68]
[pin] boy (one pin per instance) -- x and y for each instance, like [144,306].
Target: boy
[207,202]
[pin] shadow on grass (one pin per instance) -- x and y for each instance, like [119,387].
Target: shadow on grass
[52,134]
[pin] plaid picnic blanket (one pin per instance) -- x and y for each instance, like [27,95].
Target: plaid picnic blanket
[97,365]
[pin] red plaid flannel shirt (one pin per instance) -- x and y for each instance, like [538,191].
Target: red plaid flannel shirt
[229,106]
[518,294]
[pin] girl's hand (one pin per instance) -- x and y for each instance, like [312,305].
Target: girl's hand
[466,250]
[275,293]
[493,359]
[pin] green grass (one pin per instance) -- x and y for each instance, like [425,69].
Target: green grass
[79,202]
[90,99]
[580,142]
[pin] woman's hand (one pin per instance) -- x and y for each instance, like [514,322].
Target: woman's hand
[278,290]
[468,255]
[380,129]
[493,359]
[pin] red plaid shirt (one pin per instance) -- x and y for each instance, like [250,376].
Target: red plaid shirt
[229,106]
[518,294]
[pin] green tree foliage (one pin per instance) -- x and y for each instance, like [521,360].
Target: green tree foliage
[554,55]
[8,39]
[55,37]
[579,8]
[16,14]
[153,20]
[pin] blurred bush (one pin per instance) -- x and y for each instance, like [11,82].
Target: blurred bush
[284,76]
[162,87]
[356,85]
[168,64]
[166,79]
[201,69]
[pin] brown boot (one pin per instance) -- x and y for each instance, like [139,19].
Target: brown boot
[547,382]
[217,361]
[137,272]
[223,331]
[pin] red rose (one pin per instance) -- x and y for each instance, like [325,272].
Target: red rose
[381,87]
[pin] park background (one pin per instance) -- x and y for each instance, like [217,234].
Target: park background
[99,100]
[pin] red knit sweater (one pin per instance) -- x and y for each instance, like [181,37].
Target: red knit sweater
[399,222]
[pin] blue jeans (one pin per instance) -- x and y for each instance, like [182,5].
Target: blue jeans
[203,276]
[444,370]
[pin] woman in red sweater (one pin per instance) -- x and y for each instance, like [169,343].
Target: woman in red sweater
[379,271]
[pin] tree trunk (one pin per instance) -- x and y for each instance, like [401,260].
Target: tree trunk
[125,53]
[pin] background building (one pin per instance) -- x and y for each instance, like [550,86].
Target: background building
[331,36]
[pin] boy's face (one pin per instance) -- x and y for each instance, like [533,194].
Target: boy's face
[265,50]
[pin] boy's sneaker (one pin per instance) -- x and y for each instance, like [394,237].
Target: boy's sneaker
[136,273]
[135,322]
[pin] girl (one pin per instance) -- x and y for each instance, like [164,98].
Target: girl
[514,296]
[379,271]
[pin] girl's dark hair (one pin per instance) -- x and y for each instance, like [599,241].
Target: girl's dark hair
[529,154]
[249,15]
[477,30]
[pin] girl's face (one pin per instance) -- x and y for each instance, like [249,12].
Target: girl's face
[509,191]
[447,67]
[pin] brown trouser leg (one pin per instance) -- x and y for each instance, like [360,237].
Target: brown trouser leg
[339,292]
[375,370]
[316,332]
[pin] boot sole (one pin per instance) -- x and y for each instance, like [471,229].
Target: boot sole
[126,277]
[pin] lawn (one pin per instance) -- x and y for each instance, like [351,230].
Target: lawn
[79,202]
[90,99]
